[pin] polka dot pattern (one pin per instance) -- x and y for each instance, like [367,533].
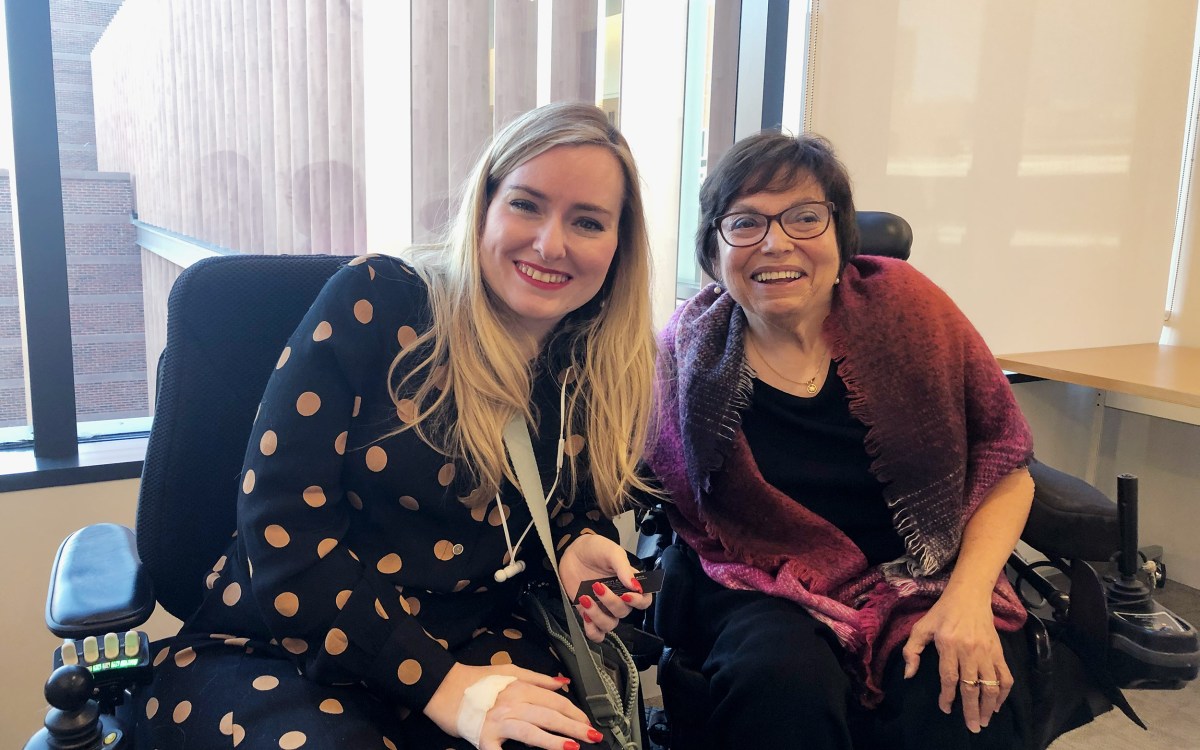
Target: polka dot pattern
[277,536]
[499,515]
[314,496]
[406,410]
[501,657]
[292,740]
[339,443]
[363,311]
[266,682]
[268,443]
[389,564]
[323,331]
[283,357]
[336,642]
[287,604]
[308,404]
[185,657]
[294,645]
[331,706]
[409,672]
[325,546]
[376,458]
[248,482]
[232,593]
[410,503]
[573,445]
[406,336]
[182,711]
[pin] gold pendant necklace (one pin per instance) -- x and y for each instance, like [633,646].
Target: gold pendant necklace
[810,385]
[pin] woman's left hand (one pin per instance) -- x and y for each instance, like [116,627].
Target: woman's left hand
[593,556]
[971,661]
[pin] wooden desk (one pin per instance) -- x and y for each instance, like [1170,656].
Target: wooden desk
[1125,377]
[1163,373]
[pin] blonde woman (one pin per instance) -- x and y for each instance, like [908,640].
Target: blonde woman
[370,596]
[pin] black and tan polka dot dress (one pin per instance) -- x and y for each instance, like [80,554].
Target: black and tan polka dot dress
[357,577]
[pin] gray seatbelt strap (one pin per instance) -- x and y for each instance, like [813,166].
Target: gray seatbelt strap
[520,452]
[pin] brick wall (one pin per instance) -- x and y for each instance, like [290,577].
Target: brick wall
[103,262]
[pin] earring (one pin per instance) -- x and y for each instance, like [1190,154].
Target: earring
[837,281]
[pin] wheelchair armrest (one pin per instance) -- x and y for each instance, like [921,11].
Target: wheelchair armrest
[1070,518]
[98,584]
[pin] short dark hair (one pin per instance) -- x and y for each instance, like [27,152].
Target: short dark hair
[771,161]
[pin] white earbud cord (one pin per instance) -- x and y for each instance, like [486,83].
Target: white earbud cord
[515,566]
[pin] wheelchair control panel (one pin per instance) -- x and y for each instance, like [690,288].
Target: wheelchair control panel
[92,676]
[113,657]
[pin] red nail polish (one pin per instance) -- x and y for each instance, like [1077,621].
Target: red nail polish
[586,618]
[585,601]
[626,597]
[563,680]
[570,745]
[599,588]
[594,736]
[636,586]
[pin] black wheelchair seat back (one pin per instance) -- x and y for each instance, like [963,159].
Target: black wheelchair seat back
[228,319]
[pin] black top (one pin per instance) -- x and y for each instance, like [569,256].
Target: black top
[367,565]
[812,450]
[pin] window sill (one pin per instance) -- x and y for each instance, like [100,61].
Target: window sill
[98,461]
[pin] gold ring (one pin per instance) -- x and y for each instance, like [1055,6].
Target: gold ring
[977,683]
[972,683]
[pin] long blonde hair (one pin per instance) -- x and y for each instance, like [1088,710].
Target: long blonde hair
[472,379]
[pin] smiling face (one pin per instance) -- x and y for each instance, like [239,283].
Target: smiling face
[551,232]
[781,282]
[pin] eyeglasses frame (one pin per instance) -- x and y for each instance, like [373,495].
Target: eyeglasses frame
[778,219]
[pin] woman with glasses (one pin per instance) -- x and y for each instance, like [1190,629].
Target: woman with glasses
[847,469]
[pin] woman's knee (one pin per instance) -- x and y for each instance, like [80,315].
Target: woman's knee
[779,659]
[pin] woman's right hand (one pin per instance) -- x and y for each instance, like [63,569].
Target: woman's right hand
[532,709]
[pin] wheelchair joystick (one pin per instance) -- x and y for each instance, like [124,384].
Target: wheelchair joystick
[74,721]
[1150,646]
[1126,589]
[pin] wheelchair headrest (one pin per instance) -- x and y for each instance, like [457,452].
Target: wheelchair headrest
[882,233]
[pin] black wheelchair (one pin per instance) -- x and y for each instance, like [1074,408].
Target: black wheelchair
[228,318]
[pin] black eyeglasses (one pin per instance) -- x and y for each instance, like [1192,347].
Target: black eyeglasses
[802,221]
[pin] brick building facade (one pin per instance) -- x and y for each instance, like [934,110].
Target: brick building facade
[103,260]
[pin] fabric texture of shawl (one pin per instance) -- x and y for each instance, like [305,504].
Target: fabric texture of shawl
[943,429]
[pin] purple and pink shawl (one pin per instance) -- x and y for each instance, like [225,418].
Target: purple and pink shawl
[943,428]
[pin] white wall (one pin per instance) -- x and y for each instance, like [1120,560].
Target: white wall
[1033,146]
[37,522]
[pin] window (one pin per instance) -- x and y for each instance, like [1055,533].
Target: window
[192,129]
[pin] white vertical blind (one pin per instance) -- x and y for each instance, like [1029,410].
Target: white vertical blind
[654,38]
[1033,146]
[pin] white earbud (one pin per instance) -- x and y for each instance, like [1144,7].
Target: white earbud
[517,566]
[510,570]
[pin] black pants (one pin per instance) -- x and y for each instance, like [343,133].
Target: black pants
[776,680]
